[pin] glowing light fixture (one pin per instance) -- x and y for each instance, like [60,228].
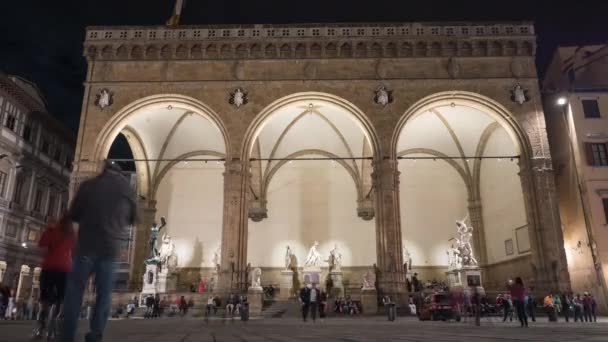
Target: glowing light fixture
[561,101]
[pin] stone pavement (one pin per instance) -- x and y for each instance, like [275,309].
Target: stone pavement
[360,329]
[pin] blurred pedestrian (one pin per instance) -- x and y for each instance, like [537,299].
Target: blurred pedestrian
[104,207]
[518,294]
[58,239]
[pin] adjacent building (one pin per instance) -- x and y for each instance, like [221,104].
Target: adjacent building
[576,107]
[36,153]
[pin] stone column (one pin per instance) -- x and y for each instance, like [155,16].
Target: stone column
[546,238]
[391,279]
[232,274]
[24,275]
[479,236]
[139,248]
[36,282]
[2,270]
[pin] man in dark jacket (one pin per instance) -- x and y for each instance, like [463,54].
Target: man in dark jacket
[104,207]
[305,301]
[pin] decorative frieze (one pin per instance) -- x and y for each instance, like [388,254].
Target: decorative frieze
[328,41]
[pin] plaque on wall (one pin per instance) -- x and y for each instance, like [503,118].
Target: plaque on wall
[523,239]
[509,247]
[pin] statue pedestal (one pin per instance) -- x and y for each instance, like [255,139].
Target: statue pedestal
[336,279]
[466,279]
[167,282]
[286,284]
[255,298]
[150,284]
[312,275]
[369,301]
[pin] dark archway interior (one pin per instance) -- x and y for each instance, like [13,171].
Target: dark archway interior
[121,150]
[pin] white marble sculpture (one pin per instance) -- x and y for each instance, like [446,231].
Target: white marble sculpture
[168,258]
[256,278]
[216,258]
[465,248]
[335,260]
[407,258]
[382,96]
[519,95]
[368,282]
[238,97]
[288,258]
[104,99]
[314,258]
[453,258]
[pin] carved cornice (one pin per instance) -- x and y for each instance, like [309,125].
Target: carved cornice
[398,40]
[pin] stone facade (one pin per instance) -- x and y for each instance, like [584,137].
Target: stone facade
[420,64]
[36,153]
[577,128]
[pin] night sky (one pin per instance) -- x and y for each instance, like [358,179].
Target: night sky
[41,40]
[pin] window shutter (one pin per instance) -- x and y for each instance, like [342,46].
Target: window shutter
[589,153]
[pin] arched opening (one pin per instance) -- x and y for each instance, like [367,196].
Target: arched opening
[177,145]
[325,198]
[459,159]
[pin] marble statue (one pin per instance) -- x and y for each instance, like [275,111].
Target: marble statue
[153,256]
[104,99]
[407,257]
[453,258]
[335,260]
[313,258]
[256,278]
[383,96]
[168,258]
[465,248]
[238,98]
[217,258]
[519,95]
[368,282]
[288,258]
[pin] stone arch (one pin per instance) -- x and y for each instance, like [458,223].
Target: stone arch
[107,51]
[285,51]
[361,50]
[345,165]
[526,49]
[226,51]
[449,50]
[92,52]
[331,50]
[473,100]
[346,50]
[435,49]
[241,51]
[115,124]
[390,50]
[122,52]
[256,51]
[166,51]
[270,51]
[196,51]
[300,51]
[420,50]
[495,49]
[512,131]
[258,123]
[181,51]
[375,50]
[406,50]
[510,48]
[137,52]
[211,51]
[316,51]
[466,50]
[152,52]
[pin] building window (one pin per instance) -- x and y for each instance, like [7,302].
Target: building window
[605,203]
[27,132]
[18,190]
[52,202]
[45,146]
[57,155]
[11,230]
[33,235]
[10,122]
[596,154]
[38,200]
[591,108]
[3,180]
